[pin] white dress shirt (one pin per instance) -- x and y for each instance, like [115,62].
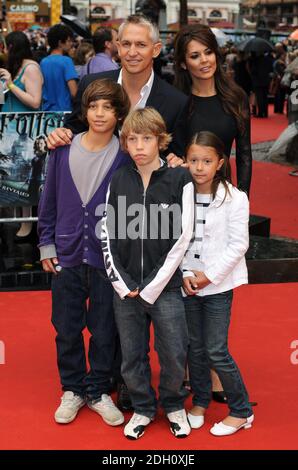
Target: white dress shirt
[145,91]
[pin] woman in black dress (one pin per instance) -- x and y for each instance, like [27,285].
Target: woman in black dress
[216,104]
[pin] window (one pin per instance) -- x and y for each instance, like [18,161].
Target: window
[215,14]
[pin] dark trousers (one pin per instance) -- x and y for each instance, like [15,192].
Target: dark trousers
[171,341]
[279,100]
[71,313]
[262,101]
[118,354]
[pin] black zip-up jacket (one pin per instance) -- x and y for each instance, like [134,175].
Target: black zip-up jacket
[145,233]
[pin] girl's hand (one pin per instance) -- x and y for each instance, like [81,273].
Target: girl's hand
[201,280]
[174,161]
[133,293]
[190,285]
[48,265]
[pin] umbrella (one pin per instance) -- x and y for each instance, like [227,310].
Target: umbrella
[76,25]
[221,37]
[294,35]
[255,45]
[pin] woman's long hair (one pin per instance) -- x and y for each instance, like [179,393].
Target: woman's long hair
[230,94]
[223,175]
[18,46]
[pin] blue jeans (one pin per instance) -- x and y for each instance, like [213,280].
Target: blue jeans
[208,320]
[71,313]
[171,341]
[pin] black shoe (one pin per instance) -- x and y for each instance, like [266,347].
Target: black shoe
[220,397]
[123,398]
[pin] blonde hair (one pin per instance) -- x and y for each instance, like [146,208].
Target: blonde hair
[142,21]
[145,121]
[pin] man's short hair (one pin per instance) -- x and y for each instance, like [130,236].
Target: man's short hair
[57,33]
[100,37]
[145,121]
[142,21]
[106,89]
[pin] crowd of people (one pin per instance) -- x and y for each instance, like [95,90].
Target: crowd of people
[65,58]
[118,270]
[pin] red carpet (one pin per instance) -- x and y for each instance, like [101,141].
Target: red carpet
[265,129]
[263,328]
[273,192]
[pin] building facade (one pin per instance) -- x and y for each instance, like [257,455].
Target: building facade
[223,12]
[272,14]
[206,11]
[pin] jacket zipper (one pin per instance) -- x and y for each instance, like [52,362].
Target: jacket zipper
[143,223]
[142,239]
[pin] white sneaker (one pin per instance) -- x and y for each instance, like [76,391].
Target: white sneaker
[221,429]
[135,427]
[107,409]
[68,410]
[179,424]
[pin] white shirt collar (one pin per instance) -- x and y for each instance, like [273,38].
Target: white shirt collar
[145,91]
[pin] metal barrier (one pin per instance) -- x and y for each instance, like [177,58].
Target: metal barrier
[15,218]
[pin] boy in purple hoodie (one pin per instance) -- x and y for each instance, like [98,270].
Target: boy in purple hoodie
[70,208]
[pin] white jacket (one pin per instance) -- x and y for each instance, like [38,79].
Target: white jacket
[225,243]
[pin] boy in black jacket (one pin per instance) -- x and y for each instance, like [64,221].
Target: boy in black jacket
[145,233]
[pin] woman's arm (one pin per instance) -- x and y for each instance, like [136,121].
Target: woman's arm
[33,81]
[244,156]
